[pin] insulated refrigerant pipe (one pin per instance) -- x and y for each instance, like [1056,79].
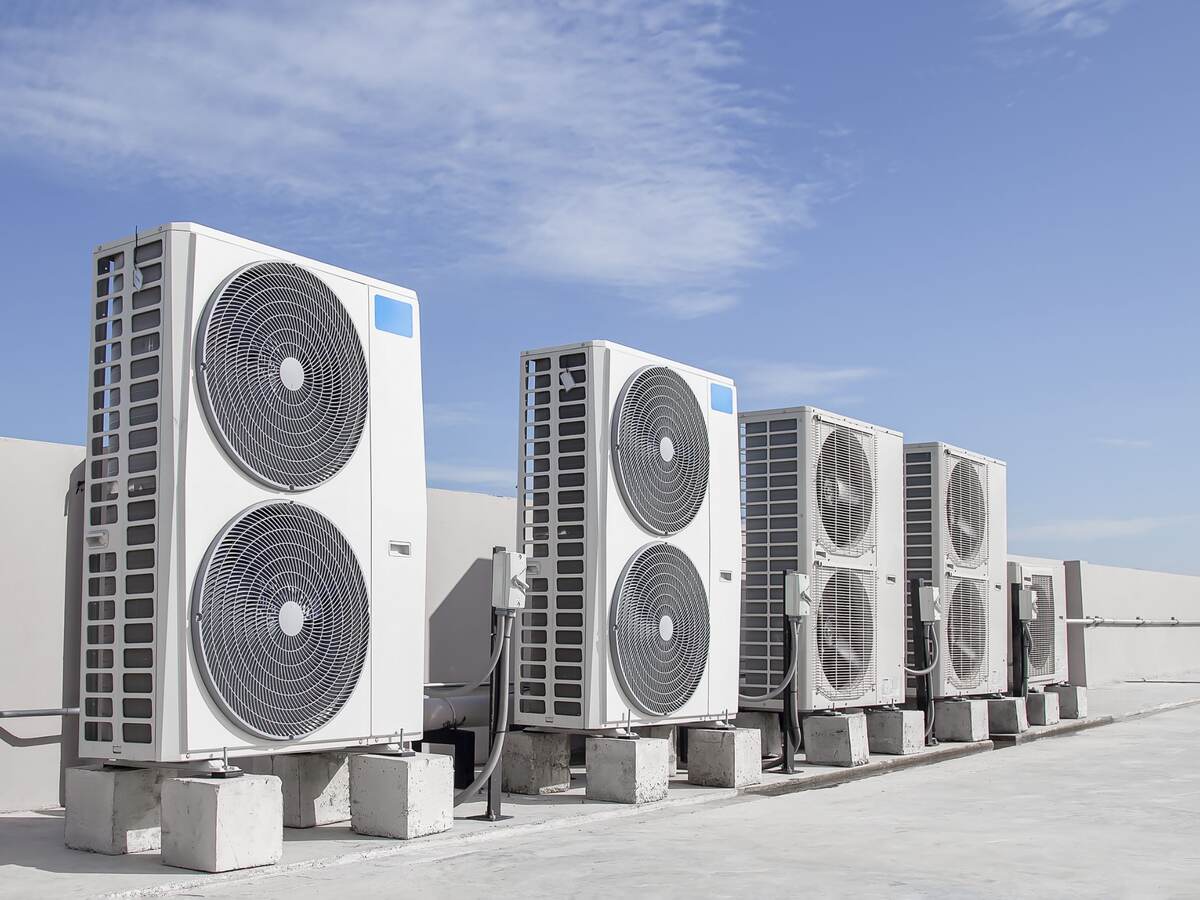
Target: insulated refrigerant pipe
[37,713]
[1101,621]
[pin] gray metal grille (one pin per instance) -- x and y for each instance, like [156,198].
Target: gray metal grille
[770,455]
[281,620]
[552,505]
[1041,654]
[660,629]
[123,484]
[966,512]
[845,489]
[660,452]
[282,375]
[845,633]
[967,631]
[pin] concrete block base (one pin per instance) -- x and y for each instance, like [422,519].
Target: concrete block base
[897,732]
[537,762]
[112,810]
[724,757]
[221,824]
[767,723]
[1072,700]
[1008,715]
[836,740]
[669,734]
[316,786]
[960,720]
[401,796]
[1042,708]
[622,770]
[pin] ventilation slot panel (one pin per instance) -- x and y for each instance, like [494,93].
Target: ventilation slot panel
[121,507]
[770,460]
[552,501]
[918,534]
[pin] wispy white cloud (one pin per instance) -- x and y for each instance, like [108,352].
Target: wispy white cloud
[456,475]
[794,384]
[1126,443]
[458,414]
[600,142]
[1077,18]
[1096,529]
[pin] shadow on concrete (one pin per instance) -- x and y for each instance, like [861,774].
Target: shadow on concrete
[460,628]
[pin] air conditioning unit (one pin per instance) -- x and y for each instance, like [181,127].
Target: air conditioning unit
[1048,649]
[628,509]
[255,514]
[956,540]
[822,496]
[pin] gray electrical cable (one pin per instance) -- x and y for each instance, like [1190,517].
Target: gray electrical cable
[791,672]
[501,724]
[468,688]
[937,655]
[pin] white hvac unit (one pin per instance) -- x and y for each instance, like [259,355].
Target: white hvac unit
[956,540]
[1048,632]
[255,535]
[822,497]
[628,511]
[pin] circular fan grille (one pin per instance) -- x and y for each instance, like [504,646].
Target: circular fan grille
[1041,629]
[966,512]
[845,629]
[660,628]
[845,489]
[661,450]
[280,620]
[966,632]
[282,375]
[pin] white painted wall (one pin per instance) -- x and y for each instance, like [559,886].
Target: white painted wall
[39,603]
[37,483]
[1105,655]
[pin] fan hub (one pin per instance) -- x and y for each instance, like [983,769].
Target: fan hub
[666,628]
[666,448]
[291,618]
[291,373]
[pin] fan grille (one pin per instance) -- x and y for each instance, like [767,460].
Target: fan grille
[966,513]
[660,629]
[661,450]
[281,620]
[1041,629]
[282,375]
[967,632]
[845,635]
[845,489]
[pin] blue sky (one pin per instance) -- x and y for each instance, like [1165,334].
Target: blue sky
[974,222]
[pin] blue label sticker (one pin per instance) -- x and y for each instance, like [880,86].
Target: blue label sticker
[395,316]
[722,398]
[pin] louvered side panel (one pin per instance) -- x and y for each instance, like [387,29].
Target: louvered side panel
[122,483]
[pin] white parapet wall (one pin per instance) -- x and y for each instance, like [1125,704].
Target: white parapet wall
[39,581]
[40,537]
[1103,655]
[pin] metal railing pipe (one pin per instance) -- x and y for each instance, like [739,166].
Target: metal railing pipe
[1139,622]
[37,713]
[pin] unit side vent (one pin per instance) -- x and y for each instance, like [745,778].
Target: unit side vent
[552,498]
[918,532]
[121,503]
[770,459]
